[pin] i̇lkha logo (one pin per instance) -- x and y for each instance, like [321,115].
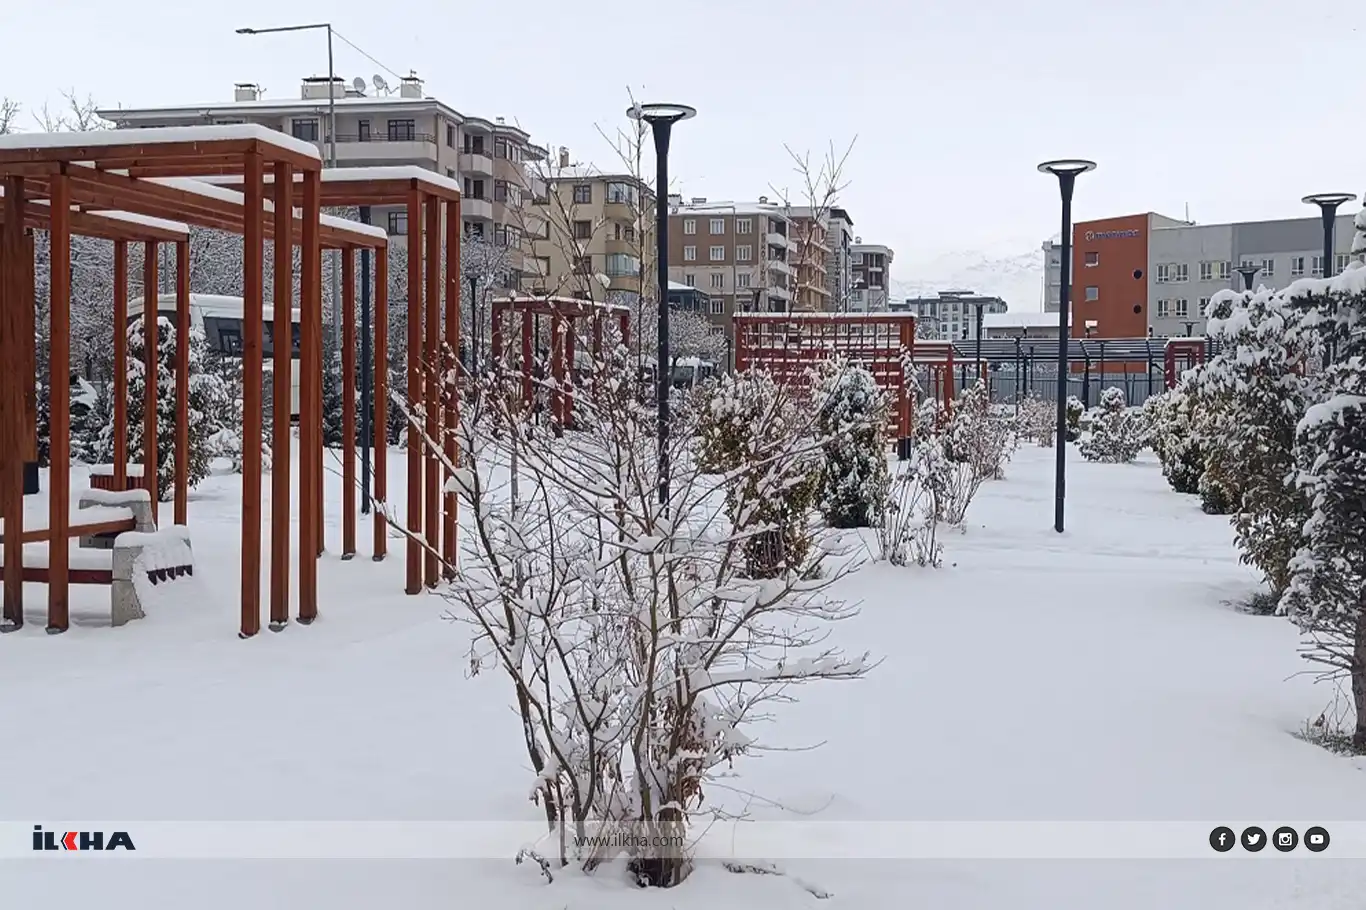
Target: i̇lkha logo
[80,840]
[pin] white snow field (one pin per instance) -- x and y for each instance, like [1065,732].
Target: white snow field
[1098,675]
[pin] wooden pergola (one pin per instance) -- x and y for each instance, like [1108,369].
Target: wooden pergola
[127,177]
[433,303]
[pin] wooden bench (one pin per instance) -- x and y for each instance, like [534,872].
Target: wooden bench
[102,478]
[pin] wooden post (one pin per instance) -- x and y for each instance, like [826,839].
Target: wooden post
[528,356]
[13,385]
[59,447]
[348,367]
[28,344]
[381,387]
[310,362]
[253,293]
[451,415]
[151,306]
[557,366]
[182,382]
[413,366]
[282,384]
[569,354]
[432,398]
[120,364]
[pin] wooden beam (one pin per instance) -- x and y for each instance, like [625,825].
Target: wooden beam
[59,407]
[13,383]
[182,382]
[151,306]
[152,153]
[28,345]
[310,405]
[120,364]
[432,399]
[451,393]
[282,300]
[348,377]
[252,364]
[381,396]
[413,368]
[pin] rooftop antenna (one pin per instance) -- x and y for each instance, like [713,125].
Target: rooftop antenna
[1188,213]
[380,85]
[359,85]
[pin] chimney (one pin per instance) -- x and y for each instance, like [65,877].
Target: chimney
[858,239]
[564,156]
[317,88]
[500,121]
[763,200]
[246,91]
[675,199]
[698,200]
[410,86]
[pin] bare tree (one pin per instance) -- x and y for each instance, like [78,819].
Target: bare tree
[9,115]
[818,190]
[75,115]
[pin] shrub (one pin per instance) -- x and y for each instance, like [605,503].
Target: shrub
[1117,433]
[851,418]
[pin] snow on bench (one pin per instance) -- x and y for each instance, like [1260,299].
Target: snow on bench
[107,470]
[36,516]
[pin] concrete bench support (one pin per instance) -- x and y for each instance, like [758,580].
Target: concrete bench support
[153,557]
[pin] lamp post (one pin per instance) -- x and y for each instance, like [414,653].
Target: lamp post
[662,118]
[1190,325]
[1066,170]
[366,405]
[1328,209]
[1248,272]
[977,354]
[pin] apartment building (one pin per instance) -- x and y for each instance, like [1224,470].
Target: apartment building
[1052,276]
[839,262]
[595,223]
[1150,274]
[737,252]
[951,315]
[808,254]
[385,128]
[870,277]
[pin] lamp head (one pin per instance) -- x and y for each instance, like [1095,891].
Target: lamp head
[1329,200]
[661,112]
[246,31]
[1067,167]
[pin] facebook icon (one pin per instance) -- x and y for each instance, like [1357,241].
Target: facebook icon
[1222,839]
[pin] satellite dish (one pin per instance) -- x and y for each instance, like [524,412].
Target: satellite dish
[380,84]
[358,84]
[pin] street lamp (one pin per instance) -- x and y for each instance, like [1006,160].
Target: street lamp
[1066,170]
[1190,326]
[977,355]
[662,118]
[1328,208]
[1248,272]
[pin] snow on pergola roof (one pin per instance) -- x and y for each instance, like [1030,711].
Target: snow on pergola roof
[103,140]
[364,185]
[201,188]
[110,225]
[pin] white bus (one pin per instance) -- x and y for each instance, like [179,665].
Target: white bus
[220,319]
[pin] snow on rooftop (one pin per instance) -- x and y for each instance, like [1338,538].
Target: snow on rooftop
[772,209]
[1021,320]
[159,136]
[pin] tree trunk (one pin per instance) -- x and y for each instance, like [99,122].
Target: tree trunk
[1359,680]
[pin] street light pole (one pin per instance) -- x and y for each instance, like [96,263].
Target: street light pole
[1066,170]
[1328,209]
[662,118]
[366,405]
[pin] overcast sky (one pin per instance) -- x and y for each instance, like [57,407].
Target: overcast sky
[1237,107]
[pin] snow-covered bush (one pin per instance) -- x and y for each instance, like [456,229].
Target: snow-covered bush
[851,417]
[915,501]
[639,653]
[1075,411]
[976,437]
[1117,433]
[91,416]
[1038,421]
[1171,434]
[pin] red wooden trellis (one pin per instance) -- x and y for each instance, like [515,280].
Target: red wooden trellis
[1181,355]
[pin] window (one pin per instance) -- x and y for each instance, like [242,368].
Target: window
[1092,258]
[718,281]
[1182,306]
[742,279]
[622,265]
[1296,266]
[500,235]
[1317,264]
[450,135]
[1179,272]
[717,254]
[500,148]
[621,194]
[230,341]
[1164,273]
[305,129]
[1223,270]
[363,131]
[718,225]
[583,230]
[1268,268]
[744,253]
[690,225]
[744,225]
[718,307]
[583,193]
[398,223]
[858,259]
[1204,306]
[1340,262]
[689,254]
[474,145]
[402,131]
[474,230]
[1163,309]
[1093,293]
[1247,264]
[450,173]
[690,280]
[1206,271]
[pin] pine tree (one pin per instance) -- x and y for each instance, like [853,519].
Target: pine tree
[92,421]
[852,417]
[1116,432]
[206,396]
[1075,410]
[332,397]
[1171,433]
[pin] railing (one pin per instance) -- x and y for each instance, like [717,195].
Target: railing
[385,137]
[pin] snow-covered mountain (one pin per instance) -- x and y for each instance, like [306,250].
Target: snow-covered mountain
[1017,278]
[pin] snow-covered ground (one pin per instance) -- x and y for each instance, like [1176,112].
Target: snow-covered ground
[1098,675]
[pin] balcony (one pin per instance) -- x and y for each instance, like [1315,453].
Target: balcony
[778,240]
[620,211]
[780,266]
[778,292]
[626,247]
[476,209]
[474,163]
[356,149]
